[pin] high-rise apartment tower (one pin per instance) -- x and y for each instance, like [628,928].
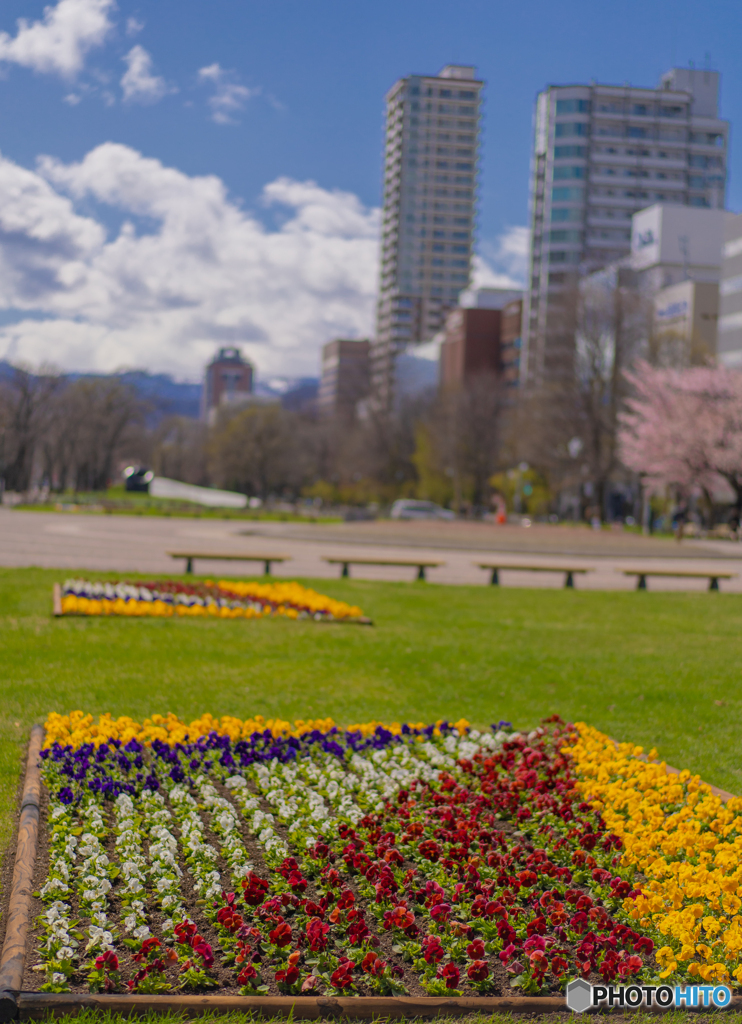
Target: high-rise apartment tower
[430,180]
[602,152]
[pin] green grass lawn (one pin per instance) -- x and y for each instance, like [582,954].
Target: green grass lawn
[663,670]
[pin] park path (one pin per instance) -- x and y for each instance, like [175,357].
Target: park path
[77,542]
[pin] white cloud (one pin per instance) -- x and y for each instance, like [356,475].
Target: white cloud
[133,26]
[229,96]
[139,84]
[504,264]
[206,273]
[59,42]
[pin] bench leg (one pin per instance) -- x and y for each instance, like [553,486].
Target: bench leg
[189,565]
[713,583]
[495,581]
[641,583]
[267,567]
[345,571]
[421,572]
[569,580]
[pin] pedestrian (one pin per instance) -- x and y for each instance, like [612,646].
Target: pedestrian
[679,520]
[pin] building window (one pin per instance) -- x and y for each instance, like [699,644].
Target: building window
[571,128]
[610,107]
[562,152]
[561,235]
[562,173]
[573,106]
[564,194]
[666,111]
[560,213]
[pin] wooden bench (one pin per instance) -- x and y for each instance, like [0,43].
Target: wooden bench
[418,563]
[225,557]
[713,577]
[496,569]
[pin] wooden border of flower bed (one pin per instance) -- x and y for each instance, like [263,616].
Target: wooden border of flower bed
[37,1006]
[19,907]
[16,1004]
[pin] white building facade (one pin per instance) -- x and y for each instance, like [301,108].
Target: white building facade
[430,190]
[670,244]
[730,296]
[601,153]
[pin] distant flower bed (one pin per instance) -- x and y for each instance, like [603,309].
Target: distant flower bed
[227,599]
[268,856]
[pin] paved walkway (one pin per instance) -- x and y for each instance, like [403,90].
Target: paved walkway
[77,542]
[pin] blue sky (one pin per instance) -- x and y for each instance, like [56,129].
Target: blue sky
[176,175]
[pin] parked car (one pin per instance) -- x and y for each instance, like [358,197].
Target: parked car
[138,478]
[409,508]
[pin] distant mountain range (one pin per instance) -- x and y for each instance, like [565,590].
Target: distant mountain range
[168,397]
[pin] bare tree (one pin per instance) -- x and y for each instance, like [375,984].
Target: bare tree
[180,450]
[568,425]
[89,423]
[386,446]
[255,451]
[24,414]
[466,426]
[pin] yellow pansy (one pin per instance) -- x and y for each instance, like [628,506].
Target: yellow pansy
[288,599]
[78,728]
[682,843]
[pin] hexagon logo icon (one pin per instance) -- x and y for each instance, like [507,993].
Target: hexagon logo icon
[579,995]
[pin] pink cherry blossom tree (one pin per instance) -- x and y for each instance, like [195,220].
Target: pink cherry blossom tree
[683,429]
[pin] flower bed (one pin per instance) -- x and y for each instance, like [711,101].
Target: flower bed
[264,857]
[685,844]
[227,599]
